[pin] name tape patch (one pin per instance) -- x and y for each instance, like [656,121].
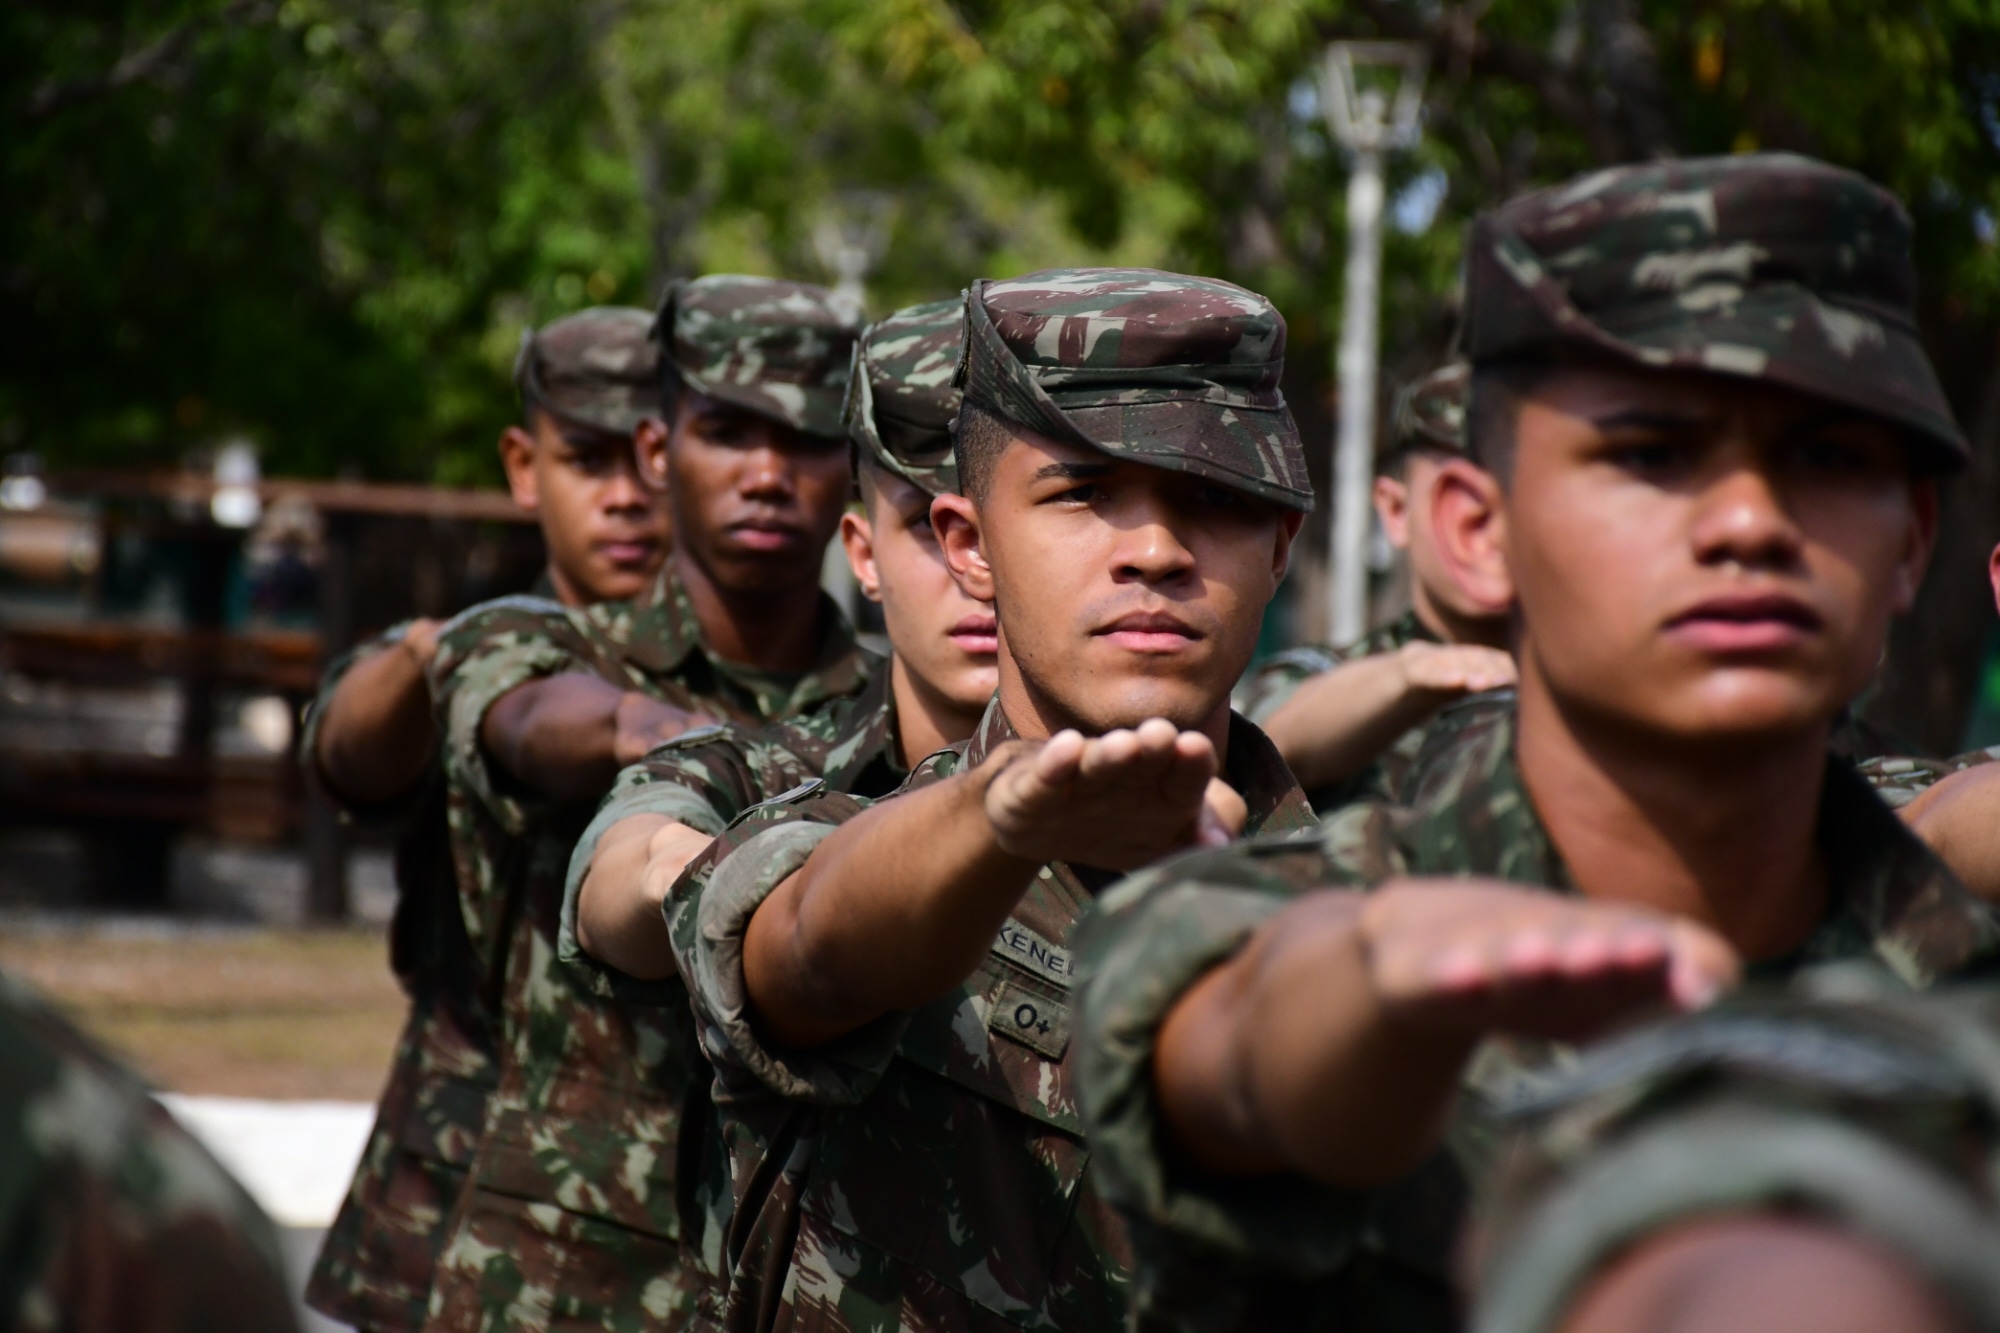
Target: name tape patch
[1037,1022]
[1024,947]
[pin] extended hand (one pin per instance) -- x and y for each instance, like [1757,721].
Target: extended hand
[1117,802]
[643,723]
[1448,670]
[1471,958]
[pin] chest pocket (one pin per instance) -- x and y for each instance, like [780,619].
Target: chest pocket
[967,1161]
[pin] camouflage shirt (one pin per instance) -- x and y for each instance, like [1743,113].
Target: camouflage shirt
[1285,1252]
[572,1213]
[1272,685]
[927,1172]
[709,777]
[115,1220]
[1900,779]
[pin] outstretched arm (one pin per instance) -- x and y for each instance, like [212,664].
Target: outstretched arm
[376,733]
[1333,1043]
[1960,819]
[1337,723]
[899,905]
[567,736]
[619,918]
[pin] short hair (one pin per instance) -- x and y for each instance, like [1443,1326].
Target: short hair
[672,386]
[1396,463]
[978,437]
[1493,410]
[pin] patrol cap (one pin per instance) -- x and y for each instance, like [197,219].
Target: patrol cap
[779,349]
[901,397]
[1172,371]
[596,368]
[1763,266]
[1430,411]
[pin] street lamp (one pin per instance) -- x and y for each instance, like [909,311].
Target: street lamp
[1373,94]
[849,238]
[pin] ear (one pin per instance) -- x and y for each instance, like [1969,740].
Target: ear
[649,446]
[1469,523]
[857,536]
[1289,523]
[955,520]
[517,457]
[1993,574]
[1916,554]
[1392,506]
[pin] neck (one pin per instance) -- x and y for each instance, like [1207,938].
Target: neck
[771,629]
[1723,836]
[926,721]
[567,592]
[1453,627]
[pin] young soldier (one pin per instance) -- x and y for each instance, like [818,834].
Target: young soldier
[666,808]
[1711,435]
[884,993]
[1351,720]
[569,1217]
[586,382]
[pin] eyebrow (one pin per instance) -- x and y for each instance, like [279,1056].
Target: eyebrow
[1073,471]
[1649,418]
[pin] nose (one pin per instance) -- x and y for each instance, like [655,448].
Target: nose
[767,475]
[1741,518]
[1150,551]
[624,492]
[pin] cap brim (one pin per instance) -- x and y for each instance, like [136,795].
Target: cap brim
[813,409]
[1253,450]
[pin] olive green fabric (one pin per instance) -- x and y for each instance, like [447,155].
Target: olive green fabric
[595,368]
[779,349]
[901,397]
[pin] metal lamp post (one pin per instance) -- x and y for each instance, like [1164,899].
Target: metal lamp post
[1368,120]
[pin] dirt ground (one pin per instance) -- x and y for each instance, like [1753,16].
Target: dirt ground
[240,1012]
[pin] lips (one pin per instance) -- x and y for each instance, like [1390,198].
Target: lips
[632,552]
[765,534]
[1150,632]
[1746,623]
[976,634]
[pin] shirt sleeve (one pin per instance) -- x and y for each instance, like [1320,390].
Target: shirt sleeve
[487,652]
[708,913]
[393,815]
[1271,686]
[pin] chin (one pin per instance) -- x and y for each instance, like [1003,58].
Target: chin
[1127,703]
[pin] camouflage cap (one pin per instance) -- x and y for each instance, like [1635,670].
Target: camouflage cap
[901,397]
[1168,370]
[596,368]
[1765,266]
[779,349]
[1430,411]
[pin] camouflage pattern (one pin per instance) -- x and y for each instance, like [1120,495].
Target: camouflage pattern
[901,397]
[1900,779]
[929,1171]
[1877,1114]
[572,1219]
[779,349]
[375,1265]
[596,368]
[116,1220]
[1430,411]
[1271,686]
[710,776]
[1168,370]
[1763,266]
[1284,1252]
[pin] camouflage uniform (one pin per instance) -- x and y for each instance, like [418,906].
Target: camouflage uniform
[1876,1113]
[1900,779]
[928,1171]
[1772,268]
[571,1219]
[1429,414]
[597,368]
[115,1220]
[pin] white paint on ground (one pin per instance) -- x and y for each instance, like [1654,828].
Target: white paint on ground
[295,1158]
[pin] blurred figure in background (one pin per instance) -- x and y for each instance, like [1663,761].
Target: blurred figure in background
[587,382]
[1350,720]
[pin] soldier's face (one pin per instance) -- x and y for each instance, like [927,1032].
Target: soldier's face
[945,642]
[1706,559]
[1123,592]
[606,533]
[754,501]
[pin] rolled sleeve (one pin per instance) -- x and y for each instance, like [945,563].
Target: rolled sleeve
[393,815]
[466,691]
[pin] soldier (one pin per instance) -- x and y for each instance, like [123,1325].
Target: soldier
[570,1214]
[586,382]
[1711,439]
[116,1220]
[666,808]
[883,992]
[1799,1159]
[1350,720]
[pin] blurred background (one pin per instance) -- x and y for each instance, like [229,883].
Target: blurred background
[263,268]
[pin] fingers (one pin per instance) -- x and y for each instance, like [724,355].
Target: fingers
[1222,816]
